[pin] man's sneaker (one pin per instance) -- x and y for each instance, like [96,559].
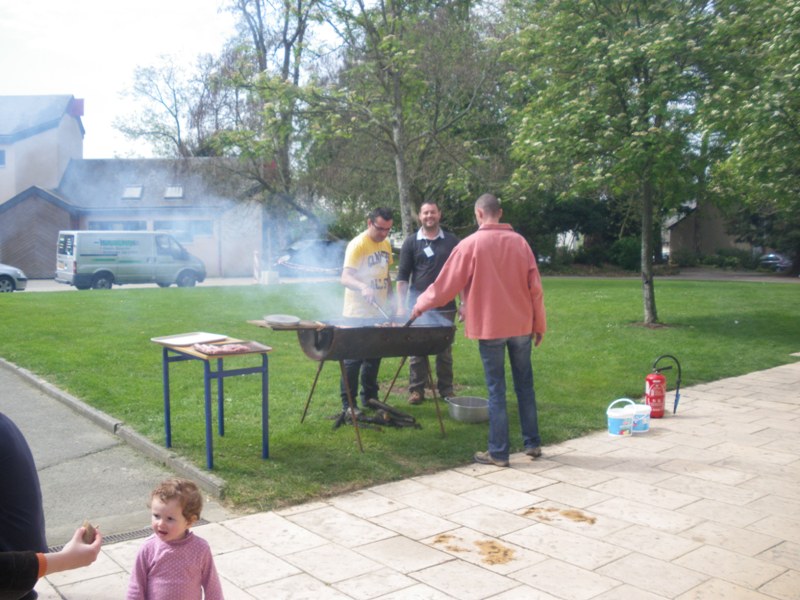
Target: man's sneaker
[356,410]
[485,458]
[416,398]
[534,452]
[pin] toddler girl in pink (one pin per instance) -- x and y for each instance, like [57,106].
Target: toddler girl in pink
[173,563]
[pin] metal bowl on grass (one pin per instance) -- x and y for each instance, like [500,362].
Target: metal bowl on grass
[468,409]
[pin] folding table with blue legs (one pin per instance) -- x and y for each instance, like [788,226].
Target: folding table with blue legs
[211,350]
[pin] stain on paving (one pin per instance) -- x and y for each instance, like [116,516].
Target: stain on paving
[552,514]
[491,552]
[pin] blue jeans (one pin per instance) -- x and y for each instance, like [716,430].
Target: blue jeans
[367,371]
[493,355]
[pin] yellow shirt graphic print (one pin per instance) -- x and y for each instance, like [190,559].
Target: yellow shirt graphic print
[371,261]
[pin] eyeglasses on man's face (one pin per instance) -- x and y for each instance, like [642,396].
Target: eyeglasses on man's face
[381,229]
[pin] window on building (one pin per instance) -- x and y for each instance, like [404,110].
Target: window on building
[132,192]
[173,192]
[118,225]
[185,231]
[2,158]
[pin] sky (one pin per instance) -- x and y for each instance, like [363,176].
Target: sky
[90,48]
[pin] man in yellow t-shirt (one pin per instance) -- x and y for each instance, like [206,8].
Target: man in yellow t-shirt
[366,279]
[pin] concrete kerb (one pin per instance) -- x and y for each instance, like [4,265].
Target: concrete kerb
[207,481]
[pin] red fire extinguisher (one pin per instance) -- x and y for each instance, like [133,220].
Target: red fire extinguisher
[655,391]
[655,388]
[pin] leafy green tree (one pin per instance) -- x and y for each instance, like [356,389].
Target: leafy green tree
[608,94]
[755,111]
[414,86]
[263,69]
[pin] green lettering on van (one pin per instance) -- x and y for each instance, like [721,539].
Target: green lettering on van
[118,242]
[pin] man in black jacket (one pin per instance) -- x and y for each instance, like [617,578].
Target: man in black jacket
[422,256]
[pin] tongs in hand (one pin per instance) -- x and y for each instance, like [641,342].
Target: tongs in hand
[383,312]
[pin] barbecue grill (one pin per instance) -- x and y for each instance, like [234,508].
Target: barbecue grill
[350,339]
[353,339]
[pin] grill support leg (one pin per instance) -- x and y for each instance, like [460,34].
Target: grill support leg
[435,396]
[391,385]
[311,393]
[352,406]
[430,383]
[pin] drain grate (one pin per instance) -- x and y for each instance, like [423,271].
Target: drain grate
[125,537]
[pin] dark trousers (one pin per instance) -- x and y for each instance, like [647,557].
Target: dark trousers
[365,370]
[418,373]
[418,366]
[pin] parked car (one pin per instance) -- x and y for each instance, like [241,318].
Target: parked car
[12,278]
[310,258]
[775,261]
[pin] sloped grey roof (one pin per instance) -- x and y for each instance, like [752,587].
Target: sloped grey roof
[100,184]
[24,116]
[35,190]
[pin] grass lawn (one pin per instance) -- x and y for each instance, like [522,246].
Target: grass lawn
[96,345]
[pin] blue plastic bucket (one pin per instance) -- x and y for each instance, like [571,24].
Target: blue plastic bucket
[641,418]
[620,418]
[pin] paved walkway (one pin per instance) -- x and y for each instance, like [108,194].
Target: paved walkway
[704,505]
[90,465]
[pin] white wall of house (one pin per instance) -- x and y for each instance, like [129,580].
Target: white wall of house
[40,159]
[6,179]
[240,234]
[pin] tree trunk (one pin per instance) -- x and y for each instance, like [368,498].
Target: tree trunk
[406,218]
[648,289]
[399,141]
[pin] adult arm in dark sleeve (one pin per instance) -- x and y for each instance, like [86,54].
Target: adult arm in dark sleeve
[19,572]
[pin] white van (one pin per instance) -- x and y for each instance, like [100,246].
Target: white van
[99,259]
